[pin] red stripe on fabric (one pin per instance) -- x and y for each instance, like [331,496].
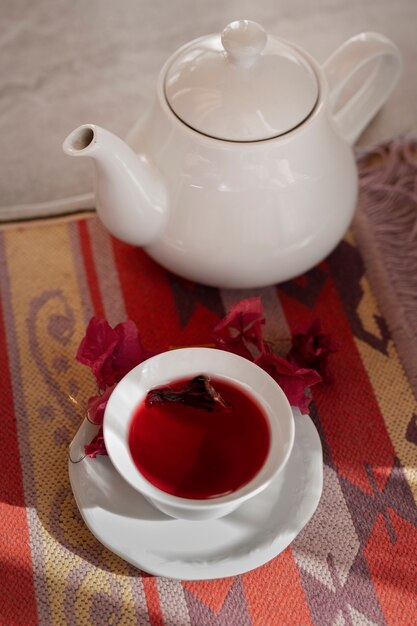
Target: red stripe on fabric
[147,296]
[90,269]
[150,304]
[17,602]
[152,601]
[352,421]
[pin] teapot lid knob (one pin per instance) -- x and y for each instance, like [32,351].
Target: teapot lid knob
[242,85]
[243,41]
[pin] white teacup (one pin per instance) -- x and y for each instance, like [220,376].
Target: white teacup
[185,363]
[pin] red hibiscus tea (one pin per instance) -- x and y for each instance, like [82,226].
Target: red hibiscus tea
[199,439]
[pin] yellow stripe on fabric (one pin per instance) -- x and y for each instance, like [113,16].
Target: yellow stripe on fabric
[392,390]
[49,323]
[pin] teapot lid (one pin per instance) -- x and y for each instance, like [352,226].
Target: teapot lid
[241,86]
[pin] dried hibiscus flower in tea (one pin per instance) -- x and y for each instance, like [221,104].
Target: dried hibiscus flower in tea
[198,393]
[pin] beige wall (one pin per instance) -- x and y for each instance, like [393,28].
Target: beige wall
[66,62]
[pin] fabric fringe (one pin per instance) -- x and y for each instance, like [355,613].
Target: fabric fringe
[385,227]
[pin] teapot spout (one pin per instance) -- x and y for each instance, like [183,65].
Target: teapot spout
[131,197]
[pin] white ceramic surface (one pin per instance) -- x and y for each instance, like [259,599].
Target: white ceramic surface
[186,363]
[247,538]
[122,176]
[241,86]
[245,214]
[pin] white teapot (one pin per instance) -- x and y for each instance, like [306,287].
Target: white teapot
[243,174]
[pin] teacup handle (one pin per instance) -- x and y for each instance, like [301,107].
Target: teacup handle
[353,115]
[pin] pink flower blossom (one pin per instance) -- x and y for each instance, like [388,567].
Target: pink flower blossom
[96,446]
[240,329]
[293,380]
[111,352]
[97,405]
[311,348]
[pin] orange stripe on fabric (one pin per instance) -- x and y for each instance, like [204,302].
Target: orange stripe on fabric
[275,595]
[17,602]
[90,269]
[393,568]
[351,418]
[212,593]
[152,601]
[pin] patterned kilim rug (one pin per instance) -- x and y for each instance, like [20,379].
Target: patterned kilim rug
[356,560]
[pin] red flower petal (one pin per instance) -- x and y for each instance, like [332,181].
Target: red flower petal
[240,329]
[97,405]
[97,446]
[97,346]
[111,352]
[312,348]
[293,380]
[127,353]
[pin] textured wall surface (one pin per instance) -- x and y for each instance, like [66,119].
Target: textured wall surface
[64,63]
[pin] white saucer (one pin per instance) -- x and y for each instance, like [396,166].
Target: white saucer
[249,537]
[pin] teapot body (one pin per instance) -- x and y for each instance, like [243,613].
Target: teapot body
[249,214]
[228,186]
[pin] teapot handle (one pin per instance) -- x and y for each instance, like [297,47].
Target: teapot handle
[352,113]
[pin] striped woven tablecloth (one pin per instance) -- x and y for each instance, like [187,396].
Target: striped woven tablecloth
[354,563]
